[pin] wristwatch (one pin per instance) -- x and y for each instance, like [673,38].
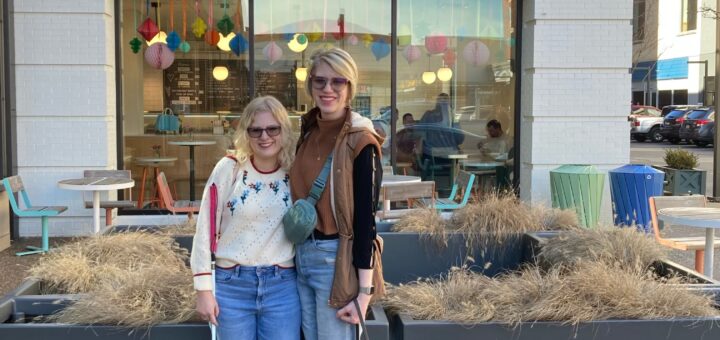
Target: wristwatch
[367,290]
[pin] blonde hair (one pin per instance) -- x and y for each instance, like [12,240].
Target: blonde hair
[339,61]
[243,151]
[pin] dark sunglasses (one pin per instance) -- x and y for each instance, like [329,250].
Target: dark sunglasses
[271,131]
[337,84]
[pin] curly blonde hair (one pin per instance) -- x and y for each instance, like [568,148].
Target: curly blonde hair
[243,151]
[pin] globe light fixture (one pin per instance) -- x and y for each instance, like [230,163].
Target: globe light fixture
[160,37]
[444,73]
[224,43]
[298,45]
[428,77]
[301,73]
[220,73]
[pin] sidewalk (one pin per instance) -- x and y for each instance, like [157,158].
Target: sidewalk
[15,267]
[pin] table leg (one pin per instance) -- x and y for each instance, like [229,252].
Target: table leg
[709,251]
[192,173]
[96,211]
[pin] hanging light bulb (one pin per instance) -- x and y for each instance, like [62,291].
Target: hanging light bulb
[224,43]
[428,77]
[444,73]
[220,73]
[160,37]
[301,73]
[298,43]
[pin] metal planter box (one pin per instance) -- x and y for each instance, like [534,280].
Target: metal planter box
[683,182]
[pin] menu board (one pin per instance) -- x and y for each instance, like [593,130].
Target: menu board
[189,86]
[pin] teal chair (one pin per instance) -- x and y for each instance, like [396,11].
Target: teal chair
[463,185]
[14,185]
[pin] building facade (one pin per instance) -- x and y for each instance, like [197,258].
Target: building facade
[553,72]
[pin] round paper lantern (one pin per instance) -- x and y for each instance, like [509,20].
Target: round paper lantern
[199,27]
[449,56]
[220,73]
[353,40]
[239,44]
[428,77]
[380,49]
[212,37]
[224,43]
[412,53]
[476,53]
[272,52]
[444,74]
[296,44]
[159,56]
[436,43]
[184,47]
[173,41]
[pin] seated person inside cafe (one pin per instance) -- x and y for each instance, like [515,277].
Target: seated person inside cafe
[497,144]
[407,142]
[440,136]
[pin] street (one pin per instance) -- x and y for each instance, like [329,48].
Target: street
[652,154]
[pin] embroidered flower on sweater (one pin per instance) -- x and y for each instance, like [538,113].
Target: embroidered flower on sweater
[257,186]
[245,176]
[244,195]
[286,180]
[231,205]
[286,198]
[275,186]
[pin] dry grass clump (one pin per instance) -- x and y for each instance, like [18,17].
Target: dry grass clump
[624,246]
[187,228]
[458,298]
[427,222]
[556,219]
[142,298]
[83,266]
[498,214]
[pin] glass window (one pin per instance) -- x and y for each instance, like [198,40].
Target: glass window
[455,89]
[688,13]
[698,114]
[675,114]
[638,20]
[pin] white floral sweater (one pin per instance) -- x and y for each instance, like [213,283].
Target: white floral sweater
[250,218]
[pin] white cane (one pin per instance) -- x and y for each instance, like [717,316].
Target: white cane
[213,330]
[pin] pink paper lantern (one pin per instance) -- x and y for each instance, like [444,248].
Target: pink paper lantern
[436,43]
[449,57]
[476,53]
[353,40]
[412,53]
[272,52]
[159,56]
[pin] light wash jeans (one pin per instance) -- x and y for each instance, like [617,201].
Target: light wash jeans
[257,303]
[315,263]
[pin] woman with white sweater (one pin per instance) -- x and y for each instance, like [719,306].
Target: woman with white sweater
[255,280]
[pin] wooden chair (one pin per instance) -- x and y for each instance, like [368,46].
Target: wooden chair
[463,186]
[14,185]
[183,206]
[110,205]
[682,243]
[409,192]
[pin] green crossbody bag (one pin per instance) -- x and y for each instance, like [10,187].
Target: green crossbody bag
[300,221]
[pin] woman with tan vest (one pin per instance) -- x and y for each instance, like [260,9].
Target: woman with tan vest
[339,268]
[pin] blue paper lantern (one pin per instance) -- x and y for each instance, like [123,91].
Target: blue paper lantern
[380,49]
[288,36]
[239,44]
[173,41]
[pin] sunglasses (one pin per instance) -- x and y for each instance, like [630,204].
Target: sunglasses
[337,84]
[271,131]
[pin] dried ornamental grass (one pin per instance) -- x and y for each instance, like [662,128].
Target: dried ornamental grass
[625,246]
[143,298]
[427,222]
[556,219]
[82,266]
[187,228]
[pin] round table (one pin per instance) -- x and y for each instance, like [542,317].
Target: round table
[699,217]
[155,163]
[96,185]
[191,144]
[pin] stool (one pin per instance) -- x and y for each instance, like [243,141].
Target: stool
[155,163]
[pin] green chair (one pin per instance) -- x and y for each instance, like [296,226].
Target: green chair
[463,185]
[14,185]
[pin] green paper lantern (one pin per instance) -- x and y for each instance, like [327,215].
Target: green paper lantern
[184,47]
[135,45]
[225,25]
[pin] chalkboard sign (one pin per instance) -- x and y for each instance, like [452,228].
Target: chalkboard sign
[281,85]
[189,86]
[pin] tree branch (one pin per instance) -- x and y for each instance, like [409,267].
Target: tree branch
[708,12]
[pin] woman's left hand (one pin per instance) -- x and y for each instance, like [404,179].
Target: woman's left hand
[349,313]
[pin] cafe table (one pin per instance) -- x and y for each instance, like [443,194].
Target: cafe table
[698,217]
[191,144]
[397,179]
[96,185]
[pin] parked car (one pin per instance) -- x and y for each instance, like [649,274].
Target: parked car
[704,134]
[669,108]
[689,130]
[645,122]
[670,129]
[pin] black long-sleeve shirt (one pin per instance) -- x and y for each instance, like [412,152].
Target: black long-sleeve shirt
[365,194]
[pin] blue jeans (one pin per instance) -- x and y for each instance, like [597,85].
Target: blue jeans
[257,303]
[315,263]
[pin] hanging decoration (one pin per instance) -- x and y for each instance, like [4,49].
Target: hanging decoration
[148,29]
[476,53]
[135,43]
[225,25]
[288,37]
[449,57]
[298,43]
[272,52]
[315,32]
[212,36]
[238,44]
[367,39]
[159,56]
[380,49]
[224,43]
[353,40]
[184,45]
[404,35]
[444,73]
[412,53]
[340,34]
[173,39]
[199,26]
[436,43]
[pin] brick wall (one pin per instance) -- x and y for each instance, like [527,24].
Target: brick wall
[65,90]
[575,89]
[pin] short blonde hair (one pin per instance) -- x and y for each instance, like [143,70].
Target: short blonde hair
[243,151]
[339,61]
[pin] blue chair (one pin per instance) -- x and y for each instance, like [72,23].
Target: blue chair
[463,185]
[14,185]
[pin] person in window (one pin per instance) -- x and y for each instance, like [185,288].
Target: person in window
[340,260]
[440,136]
[497,144]
[407,142]
[255,277]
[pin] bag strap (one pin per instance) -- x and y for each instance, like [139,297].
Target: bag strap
[215,232]
[362,320]
[319,183]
